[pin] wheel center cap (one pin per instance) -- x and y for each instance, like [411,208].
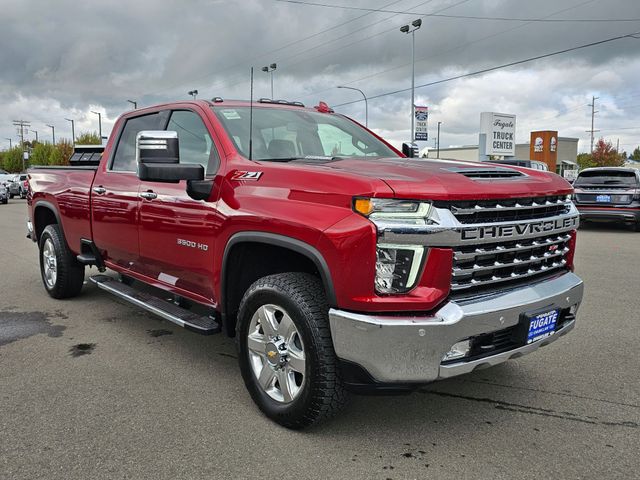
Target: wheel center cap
[276,351]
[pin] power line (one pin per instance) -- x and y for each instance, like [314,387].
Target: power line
[282,47]
[458,47]
[466,17]
[491,69]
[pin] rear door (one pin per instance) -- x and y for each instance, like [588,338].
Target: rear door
[177,233]
[115,201]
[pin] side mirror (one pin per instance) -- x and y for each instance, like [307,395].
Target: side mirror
[158,158]
[410,150]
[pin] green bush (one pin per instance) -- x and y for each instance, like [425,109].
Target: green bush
[13,160]
[41,153]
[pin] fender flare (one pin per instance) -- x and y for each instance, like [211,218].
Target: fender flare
[283,241]
[51,207]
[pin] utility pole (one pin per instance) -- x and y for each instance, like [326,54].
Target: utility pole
[618,146]
[10,144]
[73,130]
[593,114]
[53,132]
[438,150]
[22,124]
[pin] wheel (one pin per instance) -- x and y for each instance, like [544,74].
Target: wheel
[285,350]
[62,274]
[11,195]
[636,227]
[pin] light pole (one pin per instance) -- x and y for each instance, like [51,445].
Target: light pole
[438,150]
[407,29]
[193,93]
[135,104]
[10,143]
[366,106]
[73,130]
[270,69]
[53,132]
[35,131]
[99,124]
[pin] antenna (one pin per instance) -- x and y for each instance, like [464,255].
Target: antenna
[251,117]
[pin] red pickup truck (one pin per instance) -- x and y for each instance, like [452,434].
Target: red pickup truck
[337,263]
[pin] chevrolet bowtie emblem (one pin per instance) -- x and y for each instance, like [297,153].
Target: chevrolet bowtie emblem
[271,353]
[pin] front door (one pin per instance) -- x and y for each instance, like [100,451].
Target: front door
[114,199]
[177,232]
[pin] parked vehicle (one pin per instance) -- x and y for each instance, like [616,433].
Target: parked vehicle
[5,176]
[4,194]
[18,186]
[535,164]
[336,263]
[609,194]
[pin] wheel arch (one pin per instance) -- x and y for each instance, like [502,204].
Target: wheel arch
[44,214]
[289,251]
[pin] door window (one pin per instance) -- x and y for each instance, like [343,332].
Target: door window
[124,159]
[196,145]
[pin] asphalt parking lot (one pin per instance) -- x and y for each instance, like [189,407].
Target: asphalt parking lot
[94,388]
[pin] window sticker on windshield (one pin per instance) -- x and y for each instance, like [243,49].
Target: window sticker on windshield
[231,114]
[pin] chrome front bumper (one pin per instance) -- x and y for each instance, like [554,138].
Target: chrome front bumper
[410,349]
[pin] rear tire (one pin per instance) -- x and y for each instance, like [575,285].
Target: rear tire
[62,274]
[285,350]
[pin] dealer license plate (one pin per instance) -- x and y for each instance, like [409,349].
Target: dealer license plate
[542,325]
[603,198]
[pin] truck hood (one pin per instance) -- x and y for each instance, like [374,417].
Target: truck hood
[452,179]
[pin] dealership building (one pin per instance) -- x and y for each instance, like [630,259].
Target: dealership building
[496,141]
[567,153]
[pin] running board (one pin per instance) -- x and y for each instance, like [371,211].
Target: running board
[162,308]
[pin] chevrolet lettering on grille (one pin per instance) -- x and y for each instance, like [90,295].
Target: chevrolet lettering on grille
[499,232]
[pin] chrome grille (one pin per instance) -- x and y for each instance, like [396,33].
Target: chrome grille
[508,209]
[498,264]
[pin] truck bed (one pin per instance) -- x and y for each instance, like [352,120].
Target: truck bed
[67,189]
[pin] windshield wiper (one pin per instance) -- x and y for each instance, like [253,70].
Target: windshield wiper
[279,159]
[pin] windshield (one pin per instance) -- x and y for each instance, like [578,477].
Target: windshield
[606,177]
[288,134]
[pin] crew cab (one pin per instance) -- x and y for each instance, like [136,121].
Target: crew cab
[337,263]
[609,194]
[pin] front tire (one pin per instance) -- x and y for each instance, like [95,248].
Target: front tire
[61,272]
[285,350]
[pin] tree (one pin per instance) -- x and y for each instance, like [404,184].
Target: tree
[65,149]
[636,154]
[13,160]
[55,158]
[88,138]
[41,153]
[605,155]
[585,161]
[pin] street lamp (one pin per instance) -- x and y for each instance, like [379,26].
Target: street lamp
[193,93]
[366,106]
[34,131]
[99,124]
[53,132]
[407,29]
[10,143]
[73,130]
[270,69]
[438,150]
[135,104]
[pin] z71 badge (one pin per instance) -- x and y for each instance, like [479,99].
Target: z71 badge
[242,175]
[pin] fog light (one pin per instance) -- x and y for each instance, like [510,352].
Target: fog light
[397,267]
[459,350]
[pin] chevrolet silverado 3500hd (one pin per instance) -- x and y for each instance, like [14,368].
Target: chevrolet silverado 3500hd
[337,263]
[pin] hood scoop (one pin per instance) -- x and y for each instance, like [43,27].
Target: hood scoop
[483,173]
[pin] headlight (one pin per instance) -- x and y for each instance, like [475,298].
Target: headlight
[397,266]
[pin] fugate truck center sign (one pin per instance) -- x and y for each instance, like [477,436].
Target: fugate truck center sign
[499,130]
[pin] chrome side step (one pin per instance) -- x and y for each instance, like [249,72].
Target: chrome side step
[162,308]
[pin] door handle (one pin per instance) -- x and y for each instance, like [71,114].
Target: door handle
[99,190]
[149,195]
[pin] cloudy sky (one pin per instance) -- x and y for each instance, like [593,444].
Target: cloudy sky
[62,59]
